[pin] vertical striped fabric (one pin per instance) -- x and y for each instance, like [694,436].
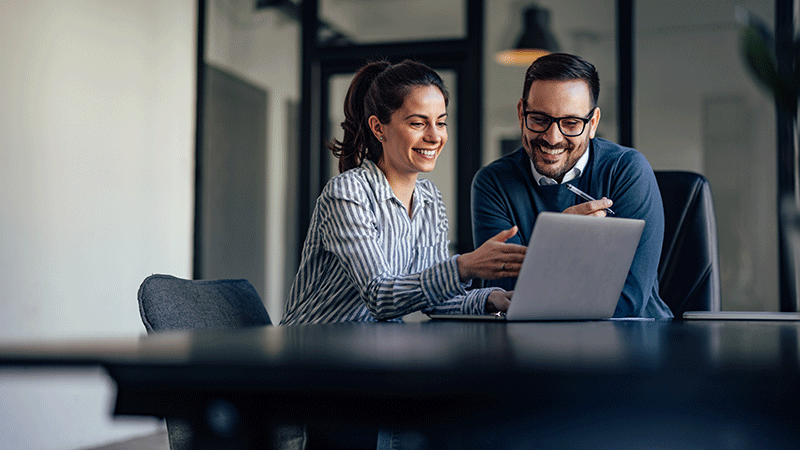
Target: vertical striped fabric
[364,259]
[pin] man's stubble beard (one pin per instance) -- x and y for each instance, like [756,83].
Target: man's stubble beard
[546,170]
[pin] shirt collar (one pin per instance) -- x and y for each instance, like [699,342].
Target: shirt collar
[383,190]
[573,173]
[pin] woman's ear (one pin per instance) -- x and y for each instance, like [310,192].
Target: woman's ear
[376,126]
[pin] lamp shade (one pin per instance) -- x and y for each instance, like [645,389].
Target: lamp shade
[536,40]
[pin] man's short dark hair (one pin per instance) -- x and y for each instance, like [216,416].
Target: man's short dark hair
[563,67]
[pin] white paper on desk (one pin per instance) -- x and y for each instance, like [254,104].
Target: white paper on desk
[741,315]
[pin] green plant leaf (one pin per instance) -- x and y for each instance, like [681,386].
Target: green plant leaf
[760,59]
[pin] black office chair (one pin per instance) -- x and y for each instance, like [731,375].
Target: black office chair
[170,303]
[688,272]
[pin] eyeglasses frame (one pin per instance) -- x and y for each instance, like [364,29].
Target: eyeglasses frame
[557,120]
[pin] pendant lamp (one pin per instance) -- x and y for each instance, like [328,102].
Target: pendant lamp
[536,40]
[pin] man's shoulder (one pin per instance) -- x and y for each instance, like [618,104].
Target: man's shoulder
[513,158]
[504,165]
[611,154]
[606,148]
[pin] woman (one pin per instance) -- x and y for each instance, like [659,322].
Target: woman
[377,246]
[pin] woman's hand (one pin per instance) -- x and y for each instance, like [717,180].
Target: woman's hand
[494,259]
[498,301]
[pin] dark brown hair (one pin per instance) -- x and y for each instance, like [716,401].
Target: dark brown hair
[563,67]
[379,89]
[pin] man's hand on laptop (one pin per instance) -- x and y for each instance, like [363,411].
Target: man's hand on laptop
[498,301]
[593,208]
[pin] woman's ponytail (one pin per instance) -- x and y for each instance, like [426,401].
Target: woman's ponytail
[358,139]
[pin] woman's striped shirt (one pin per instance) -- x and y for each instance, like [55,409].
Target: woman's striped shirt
[364,259]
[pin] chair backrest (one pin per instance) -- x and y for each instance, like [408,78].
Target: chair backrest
[170,303]
[688,272]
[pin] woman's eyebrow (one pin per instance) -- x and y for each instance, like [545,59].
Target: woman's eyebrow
[423,116]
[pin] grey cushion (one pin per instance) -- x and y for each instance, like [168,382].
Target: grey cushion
[170,303]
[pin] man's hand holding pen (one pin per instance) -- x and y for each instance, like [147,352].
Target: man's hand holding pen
[592,207]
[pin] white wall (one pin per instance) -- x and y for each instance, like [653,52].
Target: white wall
[96,192]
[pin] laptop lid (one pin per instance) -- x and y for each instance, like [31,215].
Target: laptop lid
[575,267]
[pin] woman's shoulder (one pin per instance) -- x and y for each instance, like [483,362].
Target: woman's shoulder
[428,191]
[358,184]
[427,185]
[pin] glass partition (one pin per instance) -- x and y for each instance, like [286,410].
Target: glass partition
[698,109]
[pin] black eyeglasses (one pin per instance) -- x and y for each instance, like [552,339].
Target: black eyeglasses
[569,126]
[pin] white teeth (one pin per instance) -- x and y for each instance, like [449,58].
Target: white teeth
[553,152]
[423,152]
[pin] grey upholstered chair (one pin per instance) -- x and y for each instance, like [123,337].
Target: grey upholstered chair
[688,272]
[170,303]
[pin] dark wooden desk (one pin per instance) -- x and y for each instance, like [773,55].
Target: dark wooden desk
[706,384]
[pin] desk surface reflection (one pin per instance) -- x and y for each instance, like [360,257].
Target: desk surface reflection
[549,384]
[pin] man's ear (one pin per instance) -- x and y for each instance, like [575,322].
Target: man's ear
[520,112]
[594,122]
[376,126]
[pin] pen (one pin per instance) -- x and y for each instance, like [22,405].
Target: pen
[586,196]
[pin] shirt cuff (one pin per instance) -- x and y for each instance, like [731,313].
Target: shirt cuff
[475,301]
[441,282]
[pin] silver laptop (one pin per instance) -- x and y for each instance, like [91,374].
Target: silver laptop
[574,269]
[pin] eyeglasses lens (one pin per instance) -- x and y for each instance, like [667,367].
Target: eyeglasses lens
[569,126]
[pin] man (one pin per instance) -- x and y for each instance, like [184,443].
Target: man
[558,118]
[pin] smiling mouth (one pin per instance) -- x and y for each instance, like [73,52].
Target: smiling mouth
[424,152]
[552,151]
[547,149]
